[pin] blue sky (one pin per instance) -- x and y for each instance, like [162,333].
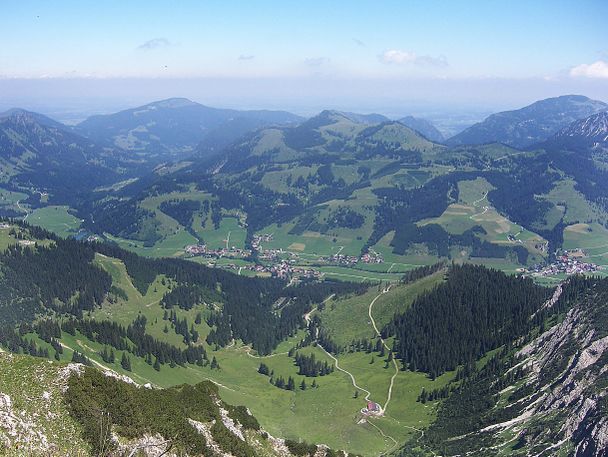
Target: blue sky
[308,49]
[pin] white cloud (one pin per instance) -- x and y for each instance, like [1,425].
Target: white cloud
[246,57]
[399,57]
[154,43]
[597,69]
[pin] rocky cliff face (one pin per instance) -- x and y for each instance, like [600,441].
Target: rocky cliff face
[565,411]
[574,396]
[594,129]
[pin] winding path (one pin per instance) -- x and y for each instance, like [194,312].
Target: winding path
[354,381]
[485,208]
[371,317]
[352,378]
[27,213]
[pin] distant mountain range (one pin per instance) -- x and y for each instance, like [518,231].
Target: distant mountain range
[177,126]
[529,125]
[423,126]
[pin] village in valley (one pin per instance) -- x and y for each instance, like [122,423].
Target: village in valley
[569,262]
[278,263]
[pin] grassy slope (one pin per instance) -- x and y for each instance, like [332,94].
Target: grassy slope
[328,414]
[348,319]
[56,219]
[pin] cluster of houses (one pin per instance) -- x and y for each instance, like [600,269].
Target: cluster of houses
[204,251]
[568,262]
[282,270]
[340,259]
[285,270]
[350,260]
[372,257]
[256,242]
[274,259]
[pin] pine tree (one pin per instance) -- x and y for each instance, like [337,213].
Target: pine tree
[157,365]
[214,364]
[125,362]
[291,385]
[303,384]
[356,394]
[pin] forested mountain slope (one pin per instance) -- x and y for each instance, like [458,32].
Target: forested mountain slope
[531,124]
[543,394]
[38,154]
[176,126]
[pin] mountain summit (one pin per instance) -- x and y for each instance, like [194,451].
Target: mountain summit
[531,124]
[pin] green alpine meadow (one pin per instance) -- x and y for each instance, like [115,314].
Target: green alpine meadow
[269,229]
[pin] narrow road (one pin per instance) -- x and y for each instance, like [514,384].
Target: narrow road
[371,317]
[476,202]
[352,378]
[354,381]
[228,239]
[27,213]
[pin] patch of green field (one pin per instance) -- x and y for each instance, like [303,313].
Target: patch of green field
[591,238]
[577,208]
[170,246]
[356,275]
[474,209]
[308,244]
[56,219]
[25,237]
[229,234]
[5,239]
[383,247]
[347,319]
[9,200]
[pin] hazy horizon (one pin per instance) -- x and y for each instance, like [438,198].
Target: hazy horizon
[394,58]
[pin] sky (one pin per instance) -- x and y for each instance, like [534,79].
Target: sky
[394,57]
